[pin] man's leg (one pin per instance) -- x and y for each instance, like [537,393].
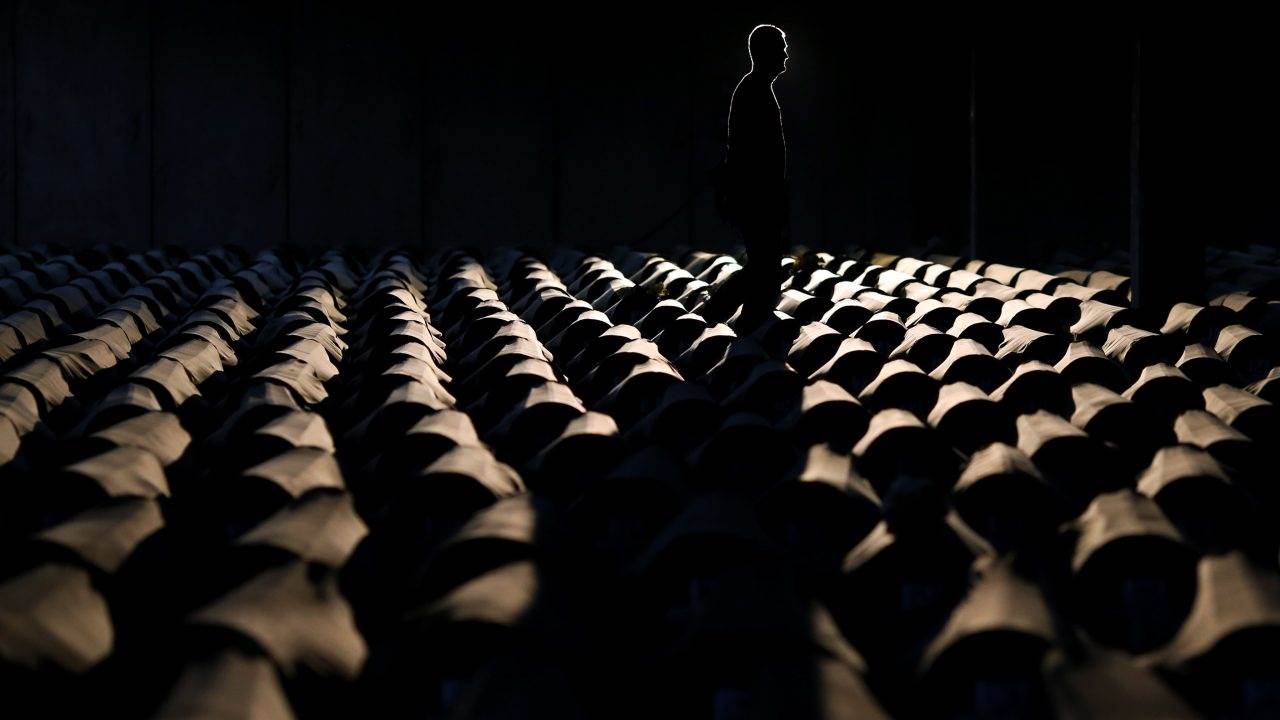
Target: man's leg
[725,298]
[764,278]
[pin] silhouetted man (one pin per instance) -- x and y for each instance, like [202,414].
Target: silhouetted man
[756,165]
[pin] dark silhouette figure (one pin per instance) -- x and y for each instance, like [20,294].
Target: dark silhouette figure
[756,169]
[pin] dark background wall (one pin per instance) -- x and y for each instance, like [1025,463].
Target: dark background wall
[208,121]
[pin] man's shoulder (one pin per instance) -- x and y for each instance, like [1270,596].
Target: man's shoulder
[749,88]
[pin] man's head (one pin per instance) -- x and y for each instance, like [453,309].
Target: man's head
[768,48]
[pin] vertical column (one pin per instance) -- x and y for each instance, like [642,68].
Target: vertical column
[83,122]
[802,94]
[1053,141]
[1186,174]
[1137,282]
[487,129]
[694,175]
[8,112]
[355,129]
[556,99]
[972,214]
[938,127]
[623,136]
[220,140]
[720,54]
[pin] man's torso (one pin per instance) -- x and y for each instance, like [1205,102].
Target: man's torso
[757,147]
[756,157]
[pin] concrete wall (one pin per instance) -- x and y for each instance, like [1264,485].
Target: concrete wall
[321,122]
[210,121]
